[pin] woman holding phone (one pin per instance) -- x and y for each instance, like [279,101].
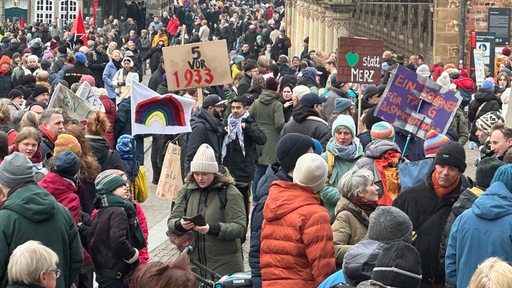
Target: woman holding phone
[210,206]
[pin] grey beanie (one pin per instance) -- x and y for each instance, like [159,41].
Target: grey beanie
[15,169]
[389,224]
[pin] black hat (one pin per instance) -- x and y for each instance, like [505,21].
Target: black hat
[249,66]
[14,93]
[399,266]
[290,148]
[38,90]
[370,119]
[62,49]
[66,164]
[38,103]
[213,100]
[452,154]
[311,99]
[371,90]
[485,171]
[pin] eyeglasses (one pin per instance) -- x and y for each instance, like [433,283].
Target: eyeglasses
[56,271]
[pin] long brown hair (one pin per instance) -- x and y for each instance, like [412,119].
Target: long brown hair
[89,166]
[97,124]
[176,274]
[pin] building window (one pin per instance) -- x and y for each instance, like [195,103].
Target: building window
[68,10]
[44,11]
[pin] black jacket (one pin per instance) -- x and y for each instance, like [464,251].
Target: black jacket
[484,101]
[6,84]
[242,167]
[421,203]
[72,75]
[244,86]
[205,129]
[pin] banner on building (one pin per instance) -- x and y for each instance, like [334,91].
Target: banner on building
[417,104]
[159,114]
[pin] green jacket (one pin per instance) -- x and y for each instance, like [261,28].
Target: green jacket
[31,213]
[268,113]
[223,252]
[330,194]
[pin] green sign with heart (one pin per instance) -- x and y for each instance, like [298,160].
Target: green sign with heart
[352,59]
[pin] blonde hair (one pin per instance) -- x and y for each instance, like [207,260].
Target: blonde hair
[5,114]
[28,260]
[492,273]
[30,119]
[28,133]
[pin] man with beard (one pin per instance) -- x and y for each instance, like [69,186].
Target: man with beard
[97,60]
[207,128]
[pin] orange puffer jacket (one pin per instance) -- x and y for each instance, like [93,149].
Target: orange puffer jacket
[297,249]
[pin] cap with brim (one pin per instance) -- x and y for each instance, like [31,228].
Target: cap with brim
[213,100]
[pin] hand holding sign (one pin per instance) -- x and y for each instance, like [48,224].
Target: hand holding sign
[196,65]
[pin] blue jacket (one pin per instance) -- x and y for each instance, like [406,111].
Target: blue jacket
[108,75]
[123,124]
[273,173]
[481,232]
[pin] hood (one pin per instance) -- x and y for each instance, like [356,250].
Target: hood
[376,148]
[32,202]
[484,95]
[274,172]
[464,83]
[301,113]
[57,186]
[287,197]
[495,203]
[466,200]
[267,97]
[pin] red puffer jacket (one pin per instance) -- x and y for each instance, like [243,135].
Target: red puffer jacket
[297,249]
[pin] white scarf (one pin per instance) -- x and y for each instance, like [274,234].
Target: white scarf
[234,130]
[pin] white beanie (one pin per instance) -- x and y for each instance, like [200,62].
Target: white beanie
[204,160]
[311,171]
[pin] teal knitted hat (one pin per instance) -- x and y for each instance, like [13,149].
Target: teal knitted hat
[107,182]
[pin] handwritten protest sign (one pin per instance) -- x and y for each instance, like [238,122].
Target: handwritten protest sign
[417,104]
[74,108]
[359,60]
[478,55]
[197,65]
[170,178]
[85,91]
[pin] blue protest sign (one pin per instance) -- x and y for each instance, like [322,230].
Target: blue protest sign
[417,104]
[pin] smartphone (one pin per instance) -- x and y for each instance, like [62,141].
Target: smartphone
[198,220]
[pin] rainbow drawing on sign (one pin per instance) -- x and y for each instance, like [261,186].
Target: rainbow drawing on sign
[166,110]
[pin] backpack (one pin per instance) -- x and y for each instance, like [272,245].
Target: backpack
[387,168]
[139,187]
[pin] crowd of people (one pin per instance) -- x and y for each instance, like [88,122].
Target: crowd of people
[329,193]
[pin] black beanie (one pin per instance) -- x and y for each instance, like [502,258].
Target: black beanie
[485,171]
[370,119]
[62,49]
[399,266]
[249,66]
[38,90]
[15,93]
[290,148]
[452,154]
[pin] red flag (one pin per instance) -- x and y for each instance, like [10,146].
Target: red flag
[78,28]
[94,14]
[22,22]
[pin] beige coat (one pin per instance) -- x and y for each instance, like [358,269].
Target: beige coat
[346,229]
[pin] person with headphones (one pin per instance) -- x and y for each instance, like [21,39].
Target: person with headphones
[123,79]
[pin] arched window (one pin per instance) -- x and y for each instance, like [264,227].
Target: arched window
[68,10]
[44,11]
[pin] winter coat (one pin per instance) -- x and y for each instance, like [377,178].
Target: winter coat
[125,90]
[329,106]
[347,229]
[123,123]
[414,151]
[108,75]
[484,101]
[487,221]
[73,74]
[330,194]
[306,121]
[31,213]
[420,203]
[6,84]
[245,85]
[242,167]
[460,125]
[59,62]
[111,243]
[297,249]
[220,249]
[154,54]
[96,62]
[173,25]
[273,173]
[205,129]
[268,113]
[100,151]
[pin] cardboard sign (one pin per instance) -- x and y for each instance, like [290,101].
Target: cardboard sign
[359,60]
[86,92]
[74,108]
[170,178]
[197,65]
[417,104]
[478,56]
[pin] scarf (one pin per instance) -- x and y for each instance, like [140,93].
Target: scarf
[442,191]
[111,200]
[363,204]
[47,133]
[234,130]
[346,152]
